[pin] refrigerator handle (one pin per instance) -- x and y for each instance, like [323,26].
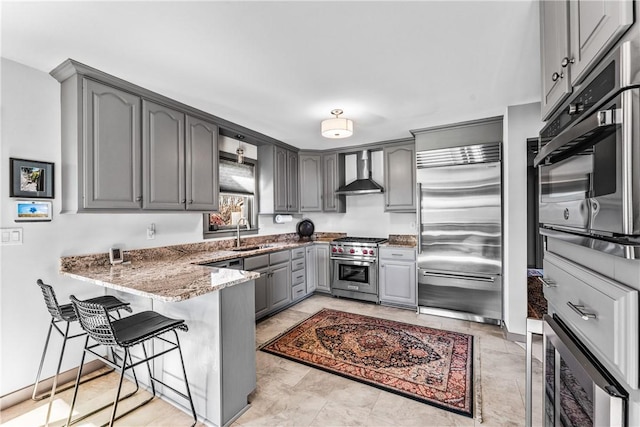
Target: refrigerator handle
[419,215]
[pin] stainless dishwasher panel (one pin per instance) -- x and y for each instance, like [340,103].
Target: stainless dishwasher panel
[470,297]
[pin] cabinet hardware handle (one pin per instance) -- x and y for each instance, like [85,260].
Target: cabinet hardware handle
[556,76]
[139,198]
[580,310]
[548,283]
[183,201]
[566,61]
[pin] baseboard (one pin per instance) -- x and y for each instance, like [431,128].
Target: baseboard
[511,336]
[45,385]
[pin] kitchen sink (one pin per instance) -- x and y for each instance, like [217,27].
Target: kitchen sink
[246,248]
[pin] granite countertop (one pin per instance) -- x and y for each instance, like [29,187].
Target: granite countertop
[175,273]
[401,241]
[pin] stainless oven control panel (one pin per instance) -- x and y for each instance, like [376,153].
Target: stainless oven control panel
[352,250]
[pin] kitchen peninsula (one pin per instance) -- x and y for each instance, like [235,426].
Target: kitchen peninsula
[217,305]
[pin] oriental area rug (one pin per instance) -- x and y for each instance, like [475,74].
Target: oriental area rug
[429,365]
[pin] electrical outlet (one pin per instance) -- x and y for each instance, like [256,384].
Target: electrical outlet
[412,225]
[151,231]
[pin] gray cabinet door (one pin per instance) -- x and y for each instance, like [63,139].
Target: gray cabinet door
[554,40]
[262,292]
[112,148]
[201,157]
[163,157]
[292,182]
[312,268]
[310,183]
[280,285]
[324,269]
[400,178]
[333,177]
[595,26]
[280,199]
[398,283]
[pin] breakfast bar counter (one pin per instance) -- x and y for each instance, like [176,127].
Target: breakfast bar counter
[218,307]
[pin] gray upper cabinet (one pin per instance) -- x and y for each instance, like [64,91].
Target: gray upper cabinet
[129,149]
[333,177]
[310,182]
[292,182]
[400,178]
[163,157]
[278,180]
[575,35]
[595,26]
[554,43]
[201,165]
[110,149]
[180,158]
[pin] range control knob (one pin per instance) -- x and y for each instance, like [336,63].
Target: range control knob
[333,249]
[352,251]
[364,251]
[371,252]
[340,250]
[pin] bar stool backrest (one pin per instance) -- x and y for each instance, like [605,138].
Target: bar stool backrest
[50,300]
[94,319]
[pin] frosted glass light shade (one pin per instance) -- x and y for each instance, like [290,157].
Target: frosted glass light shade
[337,128]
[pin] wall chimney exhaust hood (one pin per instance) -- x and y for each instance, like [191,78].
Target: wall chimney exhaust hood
[363,184]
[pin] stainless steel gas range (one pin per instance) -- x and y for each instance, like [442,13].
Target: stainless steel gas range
[355,267]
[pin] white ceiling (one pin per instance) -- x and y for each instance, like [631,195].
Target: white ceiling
[280,67]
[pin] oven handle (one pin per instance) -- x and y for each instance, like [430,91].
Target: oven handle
[580,310]
[599,119]
[459,276]
[368,261]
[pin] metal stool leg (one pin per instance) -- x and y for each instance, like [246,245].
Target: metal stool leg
[186,382]
[75,391]
[55,378]
[44,353]
[115,401]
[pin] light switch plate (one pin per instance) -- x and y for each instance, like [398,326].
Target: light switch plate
[11,236]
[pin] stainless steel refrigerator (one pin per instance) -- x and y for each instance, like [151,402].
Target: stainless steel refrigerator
[460,234]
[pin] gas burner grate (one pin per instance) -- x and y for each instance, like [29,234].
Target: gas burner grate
[349,239]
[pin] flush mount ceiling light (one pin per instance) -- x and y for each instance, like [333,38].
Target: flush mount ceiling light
[337,127]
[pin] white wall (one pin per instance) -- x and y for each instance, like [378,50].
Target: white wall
[31,130]
[520,122]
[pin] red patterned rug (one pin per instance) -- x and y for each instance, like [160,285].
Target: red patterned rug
[425,364]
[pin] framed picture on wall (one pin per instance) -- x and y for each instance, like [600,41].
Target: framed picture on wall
[31,179]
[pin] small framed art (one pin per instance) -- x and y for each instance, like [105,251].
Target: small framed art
[31,179]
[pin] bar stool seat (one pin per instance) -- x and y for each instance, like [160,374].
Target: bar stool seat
[66,313]
[123,334]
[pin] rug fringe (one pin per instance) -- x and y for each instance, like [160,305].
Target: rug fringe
[477,396]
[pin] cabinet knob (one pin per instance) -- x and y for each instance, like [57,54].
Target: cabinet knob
[139,198]
[556,76]
[191,201]
[183,201]
[566,61]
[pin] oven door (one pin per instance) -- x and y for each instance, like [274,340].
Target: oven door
[355,276]
[577,390]
[590,176]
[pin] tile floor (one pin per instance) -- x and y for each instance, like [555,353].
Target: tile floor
[291,394]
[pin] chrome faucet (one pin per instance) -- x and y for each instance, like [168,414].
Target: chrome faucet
[242,219]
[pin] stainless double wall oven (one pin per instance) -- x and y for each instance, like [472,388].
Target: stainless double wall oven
[589,168]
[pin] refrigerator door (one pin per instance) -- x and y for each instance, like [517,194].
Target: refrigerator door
[461,218]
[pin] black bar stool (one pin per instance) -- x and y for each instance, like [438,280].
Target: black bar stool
[65,313]
[125,333]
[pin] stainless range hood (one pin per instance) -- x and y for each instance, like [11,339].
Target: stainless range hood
[363,184]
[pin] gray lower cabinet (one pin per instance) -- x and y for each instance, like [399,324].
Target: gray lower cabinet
[109,175]
[180,166]
[398,277]
[318,268]
[273,287]
[298,273]
[310,182]
[400,178]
